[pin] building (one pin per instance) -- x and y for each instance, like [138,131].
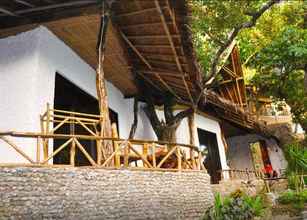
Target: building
[54,62]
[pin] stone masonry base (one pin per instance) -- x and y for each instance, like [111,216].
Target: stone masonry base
[87,193]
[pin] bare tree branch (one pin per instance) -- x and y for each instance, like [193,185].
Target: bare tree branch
[181,115]
[135,119]
[232,36]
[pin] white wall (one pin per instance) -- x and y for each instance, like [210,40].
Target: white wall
[240,157]
[18,68]
[28,64]
[214,127]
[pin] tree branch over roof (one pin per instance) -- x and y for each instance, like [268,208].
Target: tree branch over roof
[207,81]
[234,33]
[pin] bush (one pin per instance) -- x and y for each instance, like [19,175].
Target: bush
[236,206]
[296,155]
[296,199]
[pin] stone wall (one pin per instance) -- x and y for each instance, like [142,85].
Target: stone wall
[250,187]
[85,193]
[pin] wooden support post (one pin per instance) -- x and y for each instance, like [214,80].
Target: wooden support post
[105,124]
[192,129]
[199,161]
[126,155]
[38,150]
[73,152]
[179,161]
[16,148]
[145,153]
[116,147]
[154,162]
[46,141]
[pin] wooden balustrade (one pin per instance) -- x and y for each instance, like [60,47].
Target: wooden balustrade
[132,154]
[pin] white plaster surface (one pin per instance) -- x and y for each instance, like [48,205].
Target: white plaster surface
[28,64]
[239,155]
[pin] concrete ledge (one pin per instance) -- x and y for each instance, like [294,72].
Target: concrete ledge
[83,193]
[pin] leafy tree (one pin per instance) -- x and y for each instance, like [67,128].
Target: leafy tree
[280,58]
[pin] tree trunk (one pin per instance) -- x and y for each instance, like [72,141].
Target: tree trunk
[305,67]
[192,127]
[135,120]
[168,133]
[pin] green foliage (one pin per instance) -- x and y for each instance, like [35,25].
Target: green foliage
[296,199]
[213,21]
[276,48]
[296,155]
[237,206]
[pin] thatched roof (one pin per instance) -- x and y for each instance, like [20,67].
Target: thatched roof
[148,38]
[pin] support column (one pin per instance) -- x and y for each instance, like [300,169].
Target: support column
[192,129]
[104,149]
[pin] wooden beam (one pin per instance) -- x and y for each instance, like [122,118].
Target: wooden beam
[168,87]
[158,46]
[143,11]
[230,72]
[239,93]
[150,36]
[142,25]
[229,94]
[163,72]
[169,36]
[164,62]
[16,148]
[166,29]
[148,64]
[25,3]
[8,12]
[151,82]
[135,49]
[54,6]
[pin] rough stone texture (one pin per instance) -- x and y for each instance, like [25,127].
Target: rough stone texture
[283,132]
[226,187]
[85,193]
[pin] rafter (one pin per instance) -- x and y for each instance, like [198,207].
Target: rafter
[148,64]
[150,36]
[8,12]
[25,3]
[141,25]
[147,10]
[166,29]
[164,73]
[229,71]
[53,6]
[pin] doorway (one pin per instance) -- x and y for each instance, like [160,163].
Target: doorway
[212,162]
[70,97]
[260,155]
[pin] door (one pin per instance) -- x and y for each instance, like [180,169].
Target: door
[212,162]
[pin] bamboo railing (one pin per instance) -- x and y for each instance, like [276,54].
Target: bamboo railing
[127,154]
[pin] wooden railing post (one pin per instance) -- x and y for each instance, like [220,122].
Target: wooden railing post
[46,131]
[145,153]
[117,154]
[73,143]
[38,149]
[126,155]
[73,152]
[179,161]
[154,162]
[116,147]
